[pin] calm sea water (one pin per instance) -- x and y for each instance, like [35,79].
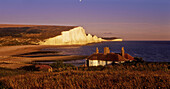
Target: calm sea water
[151,51]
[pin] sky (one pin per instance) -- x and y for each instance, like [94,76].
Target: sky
[128,19]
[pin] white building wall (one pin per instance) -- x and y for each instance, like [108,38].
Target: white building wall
[99,63]
[109,62]
[93,62]
[102,63]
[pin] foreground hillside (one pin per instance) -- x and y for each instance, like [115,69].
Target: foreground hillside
[140,75]
[28,34]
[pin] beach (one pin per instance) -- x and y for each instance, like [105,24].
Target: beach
[11,56]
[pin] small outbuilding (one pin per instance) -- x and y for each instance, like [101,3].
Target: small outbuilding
[108,58]
[46,68]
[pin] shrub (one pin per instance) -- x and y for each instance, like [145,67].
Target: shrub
[60,64]
[139,59]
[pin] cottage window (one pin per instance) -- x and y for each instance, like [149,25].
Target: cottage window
[98,61]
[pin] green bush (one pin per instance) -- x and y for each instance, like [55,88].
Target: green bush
[139,59]
[60,64]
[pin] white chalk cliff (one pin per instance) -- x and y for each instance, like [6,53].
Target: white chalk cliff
[75,36]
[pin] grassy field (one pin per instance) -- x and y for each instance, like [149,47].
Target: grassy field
[128,75]
[32,31]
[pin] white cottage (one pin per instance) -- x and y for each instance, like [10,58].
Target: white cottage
[107,58]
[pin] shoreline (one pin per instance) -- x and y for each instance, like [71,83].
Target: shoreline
[8,58]
[14,57]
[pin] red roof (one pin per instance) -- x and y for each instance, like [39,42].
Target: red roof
[43,66]
[107,57]
[127,56]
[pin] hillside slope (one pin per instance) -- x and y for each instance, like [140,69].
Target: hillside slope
[28,34]
[33,31]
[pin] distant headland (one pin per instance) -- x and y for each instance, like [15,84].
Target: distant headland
[46,35]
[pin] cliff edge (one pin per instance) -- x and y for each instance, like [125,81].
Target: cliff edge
[46,35]
[75,36]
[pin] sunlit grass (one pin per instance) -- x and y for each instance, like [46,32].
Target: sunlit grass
[128,75]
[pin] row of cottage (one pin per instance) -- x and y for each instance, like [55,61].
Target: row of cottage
[108,58]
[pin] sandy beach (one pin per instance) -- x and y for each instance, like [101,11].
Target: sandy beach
[9,58]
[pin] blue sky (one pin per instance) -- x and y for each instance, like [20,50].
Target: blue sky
[129,19]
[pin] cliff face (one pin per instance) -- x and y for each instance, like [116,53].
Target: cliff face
[75,36]
[45,35]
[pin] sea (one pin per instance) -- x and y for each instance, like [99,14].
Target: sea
[150,51]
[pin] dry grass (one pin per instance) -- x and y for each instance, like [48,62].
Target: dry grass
[90,79]
[109,78]
[15,25]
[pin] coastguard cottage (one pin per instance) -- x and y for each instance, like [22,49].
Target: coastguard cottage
[107,58]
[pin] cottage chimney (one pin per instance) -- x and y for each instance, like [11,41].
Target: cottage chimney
[123,52]
[106,50]
[97,50]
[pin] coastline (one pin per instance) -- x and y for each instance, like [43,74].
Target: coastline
[9,55]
